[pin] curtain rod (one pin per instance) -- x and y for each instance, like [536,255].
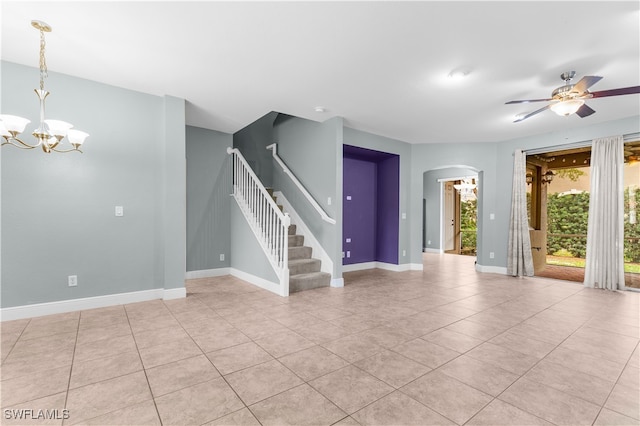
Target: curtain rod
[581,144]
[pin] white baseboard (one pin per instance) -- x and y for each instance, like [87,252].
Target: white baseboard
[432,250]
[337,282]
[491,269]
[174,293]
[382,265]
[206,273]
[257,281]
[358,266]
[416,266]
[62,306]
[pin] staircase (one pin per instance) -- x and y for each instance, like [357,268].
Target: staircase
[304,271]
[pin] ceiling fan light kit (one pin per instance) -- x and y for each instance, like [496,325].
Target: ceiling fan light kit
[570,98]
[567,107]
[50,133]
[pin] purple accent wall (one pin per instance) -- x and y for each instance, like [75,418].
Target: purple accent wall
[388,223]
[371,203]
[359,210]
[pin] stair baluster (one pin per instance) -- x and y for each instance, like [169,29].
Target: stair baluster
[268,223]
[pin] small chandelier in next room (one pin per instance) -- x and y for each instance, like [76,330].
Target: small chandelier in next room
[50,133]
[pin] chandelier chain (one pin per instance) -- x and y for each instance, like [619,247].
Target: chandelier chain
[43,60]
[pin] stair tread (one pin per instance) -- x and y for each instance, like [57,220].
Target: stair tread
[309,281]
[310,275]
[309,260]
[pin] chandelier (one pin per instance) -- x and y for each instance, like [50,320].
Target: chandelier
[50,133]
[467,188]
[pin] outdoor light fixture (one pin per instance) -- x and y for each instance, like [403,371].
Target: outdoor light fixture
[49,133]
[547,177]
[529,178]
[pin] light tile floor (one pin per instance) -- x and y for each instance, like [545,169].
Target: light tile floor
[444,346]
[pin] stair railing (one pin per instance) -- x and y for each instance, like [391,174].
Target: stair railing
[274,149]
[268,223]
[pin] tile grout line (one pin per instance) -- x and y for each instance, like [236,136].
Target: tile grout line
[213,365]
[144,370]
[73,356]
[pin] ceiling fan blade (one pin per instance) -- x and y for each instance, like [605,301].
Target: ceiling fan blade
[586,82]
[526,101]
[616,92]
[585,111]
[538,111]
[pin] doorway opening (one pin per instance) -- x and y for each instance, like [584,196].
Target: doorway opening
[558,204]
[460,216]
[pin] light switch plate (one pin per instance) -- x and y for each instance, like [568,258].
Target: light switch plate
[119,211]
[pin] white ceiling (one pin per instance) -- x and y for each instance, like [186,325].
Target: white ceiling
[382,66]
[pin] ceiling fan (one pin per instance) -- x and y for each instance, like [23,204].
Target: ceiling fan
[570,98]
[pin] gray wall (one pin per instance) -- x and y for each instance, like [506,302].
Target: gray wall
[252,141]
[313,152]
[402,149]
[58,209]
[208,200]
[475,156]
[246,253]
[494,162]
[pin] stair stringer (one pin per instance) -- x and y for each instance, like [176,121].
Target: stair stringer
[309,239]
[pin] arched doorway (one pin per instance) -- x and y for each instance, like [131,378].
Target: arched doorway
[450,206]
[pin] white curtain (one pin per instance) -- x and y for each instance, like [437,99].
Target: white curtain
[520,260]
[605,231]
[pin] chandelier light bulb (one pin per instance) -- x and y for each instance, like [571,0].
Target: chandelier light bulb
[3,130]
[76,137]
[58,128]
[14,124]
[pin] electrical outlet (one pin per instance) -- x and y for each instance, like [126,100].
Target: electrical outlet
[221,257]
[348,254]
[491,255]
[429,242]
[119,211]
[348,240]
[404,215]
[328,201]
[404,252]
[73,280]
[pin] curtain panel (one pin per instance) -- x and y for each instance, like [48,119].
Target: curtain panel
[605,230]
[520,259]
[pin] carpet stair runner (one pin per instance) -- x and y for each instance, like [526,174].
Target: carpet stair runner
[304,271]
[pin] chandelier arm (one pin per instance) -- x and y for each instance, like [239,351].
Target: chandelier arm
[67,150]
[20,144]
